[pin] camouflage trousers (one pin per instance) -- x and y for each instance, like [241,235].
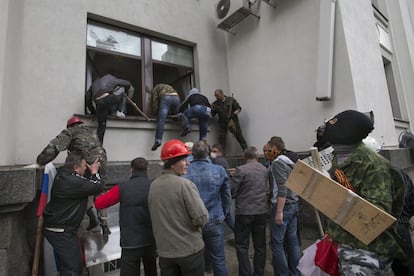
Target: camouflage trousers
[362,262]
[102,215]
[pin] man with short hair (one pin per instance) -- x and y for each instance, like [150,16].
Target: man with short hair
[228,110]
[137,241]
[284,212]
[213,184]
[177,215]
[251,190]
[66,208]
[217,156]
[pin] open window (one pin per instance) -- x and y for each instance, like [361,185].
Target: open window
[142,59]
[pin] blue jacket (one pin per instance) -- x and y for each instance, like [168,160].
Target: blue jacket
[213,185]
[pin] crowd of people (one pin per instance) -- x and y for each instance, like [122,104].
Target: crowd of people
[180,215]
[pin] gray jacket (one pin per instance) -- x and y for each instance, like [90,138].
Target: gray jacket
[250,188]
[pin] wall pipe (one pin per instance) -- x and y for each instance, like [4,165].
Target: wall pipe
[325,50]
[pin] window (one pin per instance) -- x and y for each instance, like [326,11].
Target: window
[392,90]
[391,74]
[142,59]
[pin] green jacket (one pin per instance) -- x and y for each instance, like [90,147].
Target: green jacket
[159,90]
[369,174]
[223,109]
[75,138]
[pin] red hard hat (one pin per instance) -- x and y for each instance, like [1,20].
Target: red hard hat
[73,120]
[174,148]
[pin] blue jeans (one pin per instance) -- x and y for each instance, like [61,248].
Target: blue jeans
[254,225]
[213,236]
[203,114]
[284,259]
[168,105]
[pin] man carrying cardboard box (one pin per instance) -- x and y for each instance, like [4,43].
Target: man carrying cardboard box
[360,169]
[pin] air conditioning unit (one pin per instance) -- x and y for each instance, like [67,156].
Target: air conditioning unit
[231,12]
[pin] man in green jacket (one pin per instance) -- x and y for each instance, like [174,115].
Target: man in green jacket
[368,175]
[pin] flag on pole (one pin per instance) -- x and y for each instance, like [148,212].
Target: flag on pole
[48,176]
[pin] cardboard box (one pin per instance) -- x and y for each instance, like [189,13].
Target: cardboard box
[356,215]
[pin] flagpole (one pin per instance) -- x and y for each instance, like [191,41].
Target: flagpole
[36,257]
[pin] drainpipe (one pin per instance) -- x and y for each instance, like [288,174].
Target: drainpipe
[326,46]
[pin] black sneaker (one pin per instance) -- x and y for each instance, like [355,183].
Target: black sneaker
[156,145]
[105,230]
[185,132]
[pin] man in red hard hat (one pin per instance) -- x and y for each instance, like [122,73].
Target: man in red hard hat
[78,137]
[177,214]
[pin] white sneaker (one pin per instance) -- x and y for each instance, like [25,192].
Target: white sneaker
[120,115]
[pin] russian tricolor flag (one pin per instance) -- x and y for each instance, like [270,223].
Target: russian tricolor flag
[48,176]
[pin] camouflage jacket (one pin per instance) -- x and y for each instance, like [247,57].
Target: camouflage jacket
[159,90]
[222,108]
[369,174]
[75,138]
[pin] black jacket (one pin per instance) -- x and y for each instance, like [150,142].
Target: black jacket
[69,197]
[134,217]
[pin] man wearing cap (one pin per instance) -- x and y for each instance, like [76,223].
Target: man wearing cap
[177,214]
[137,241]
[79,137]
[367,174]
[165,101]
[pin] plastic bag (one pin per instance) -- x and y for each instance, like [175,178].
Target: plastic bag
[326,256]
[307,263]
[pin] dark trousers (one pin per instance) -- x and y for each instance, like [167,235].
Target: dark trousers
[245,226]
[236,130]
[103,106]
[192,265]
[131,261]
[404,267]
[67,247]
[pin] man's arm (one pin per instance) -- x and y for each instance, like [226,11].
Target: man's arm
[195,205]
[60,143]
[184,105]
[280,172]
[225,193]
[236,107]
[108,199]
[235,182]
[155,99]
[79,186]
[88,101]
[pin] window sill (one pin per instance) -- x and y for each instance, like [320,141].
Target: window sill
[135,122]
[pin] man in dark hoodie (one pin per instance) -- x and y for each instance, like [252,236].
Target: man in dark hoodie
[195,105]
